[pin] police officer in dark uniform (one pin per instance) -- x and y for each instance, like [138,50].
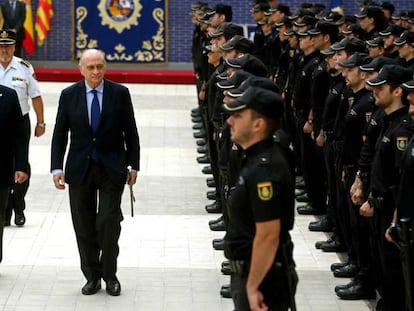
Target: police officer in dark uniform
[261,207]
[385,178]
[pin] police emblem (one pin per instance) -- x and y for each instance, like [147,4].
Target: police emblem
[402,143]
[120,14]
[265,190]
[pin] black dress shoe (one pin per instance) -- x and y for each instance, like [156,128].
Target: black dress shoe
[218,244]
[322,225]
[195,111]
[198,126]
[318,244]
[113,287]
[201,142]
[225,291]
[309,210]
[202,149]
[356,292]
[19,218]
[337,265]
[210,183]
[299,192]
[344,286]
[214,208]
[218,226]
[333,246]
[206,170]
[196,119]
[203,159]
[303,198]
[347,271]
[215,220]
[211,195]
[226,270]
[225,263]
[199,134]
[91,287]
[300,183]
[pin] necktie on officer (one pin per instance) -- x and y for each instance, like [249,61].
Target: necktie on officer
[95,111]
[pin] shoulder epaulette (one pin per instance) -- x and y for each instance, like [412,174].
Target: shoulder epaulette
[25,63]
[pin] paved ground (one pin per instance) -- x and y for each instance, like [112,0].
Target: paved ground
[166,261]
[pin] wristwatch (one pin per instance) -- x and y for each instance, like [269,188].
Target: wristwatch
[41,124]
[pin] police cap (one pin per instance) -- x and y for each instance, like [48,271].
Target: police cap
[265,102]
[392,74]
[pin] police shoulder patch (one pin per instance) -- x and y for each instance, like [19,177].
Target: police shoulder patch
[265,190]
[402,143]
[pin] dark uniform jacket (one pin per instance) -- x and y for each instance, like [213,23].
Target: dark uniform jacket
[116,139]
[264,192]
[406,194]
[14,141]
[16,20]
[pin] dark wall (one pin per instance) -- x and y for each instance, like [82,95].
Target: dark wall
[59,42]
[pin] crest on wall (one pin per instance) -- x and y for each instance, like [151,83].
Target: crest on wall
[120,14]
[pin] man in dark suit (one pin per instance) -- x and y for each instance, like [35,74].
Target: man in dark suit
[14,145]
[104,142]
[14,14]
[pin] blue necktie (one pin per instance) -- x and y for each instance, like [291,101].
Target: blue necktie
[95,111]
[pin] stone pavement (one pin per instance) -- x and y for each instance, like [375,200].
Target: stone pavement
[166,259]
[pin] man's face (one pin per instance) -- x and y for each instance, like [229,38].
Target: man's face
[405,51]
[383,95]
[216,19]
[389,42]
[93,69]
[276,16]
[318,42]
[230,54]
[375,51]
[340,56]
[366,23]
[258,15]
[213,57]
[6,53]
[293,41]
[241,125]
[305,43]
[352,76]
[331,63]
[410,98]
[218,41]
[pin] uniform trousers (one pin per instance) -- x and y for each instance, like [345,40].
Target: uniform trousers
[4,197]
[96,216]
[274,288]
[18,191]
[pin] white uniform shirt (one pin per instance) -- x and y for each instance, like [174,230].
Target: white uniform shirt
[19,75]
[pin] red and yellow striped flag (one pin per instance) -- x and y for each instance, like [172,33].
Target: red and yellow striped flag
[28,42]
[43,15]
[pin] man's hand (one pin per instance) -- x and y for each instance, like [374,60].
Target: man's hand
[59,181]
[357,195]
[320,140]
[256,300]
[307,128]
[366,210]
[39,131]
[132,178]
[20,177]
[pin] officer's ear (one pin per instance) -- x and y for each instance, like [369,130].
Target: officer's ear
[398,92]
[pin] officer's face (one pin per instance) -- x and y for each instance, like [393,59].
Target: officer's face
[340,56]
[383,95]
[241,127]
[366,23]
[410,98]
[305,43]
[6,53]
[92,68]
[375,51]
[276,16]
[213,58]
[406,50]
[216,19]
[293,41]
[218,41]
[352,76]
[389,42]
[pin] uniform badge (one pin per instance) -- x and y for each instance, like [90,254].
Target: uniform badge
[402,143]
[265,190]
[350,101]
[368,116]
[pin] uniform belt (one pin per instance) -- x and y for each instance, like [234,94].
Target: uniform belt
[242,266]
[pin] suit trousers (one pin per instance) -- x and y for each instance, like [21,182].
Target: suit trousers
[4,197]
[96,215]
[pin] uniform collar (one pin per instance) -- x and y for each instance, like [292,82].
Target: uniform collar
[259,147]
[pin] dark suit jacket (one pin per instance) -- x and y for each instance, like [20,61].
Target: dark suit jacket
[13,139]
[116,139]
[15,21]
